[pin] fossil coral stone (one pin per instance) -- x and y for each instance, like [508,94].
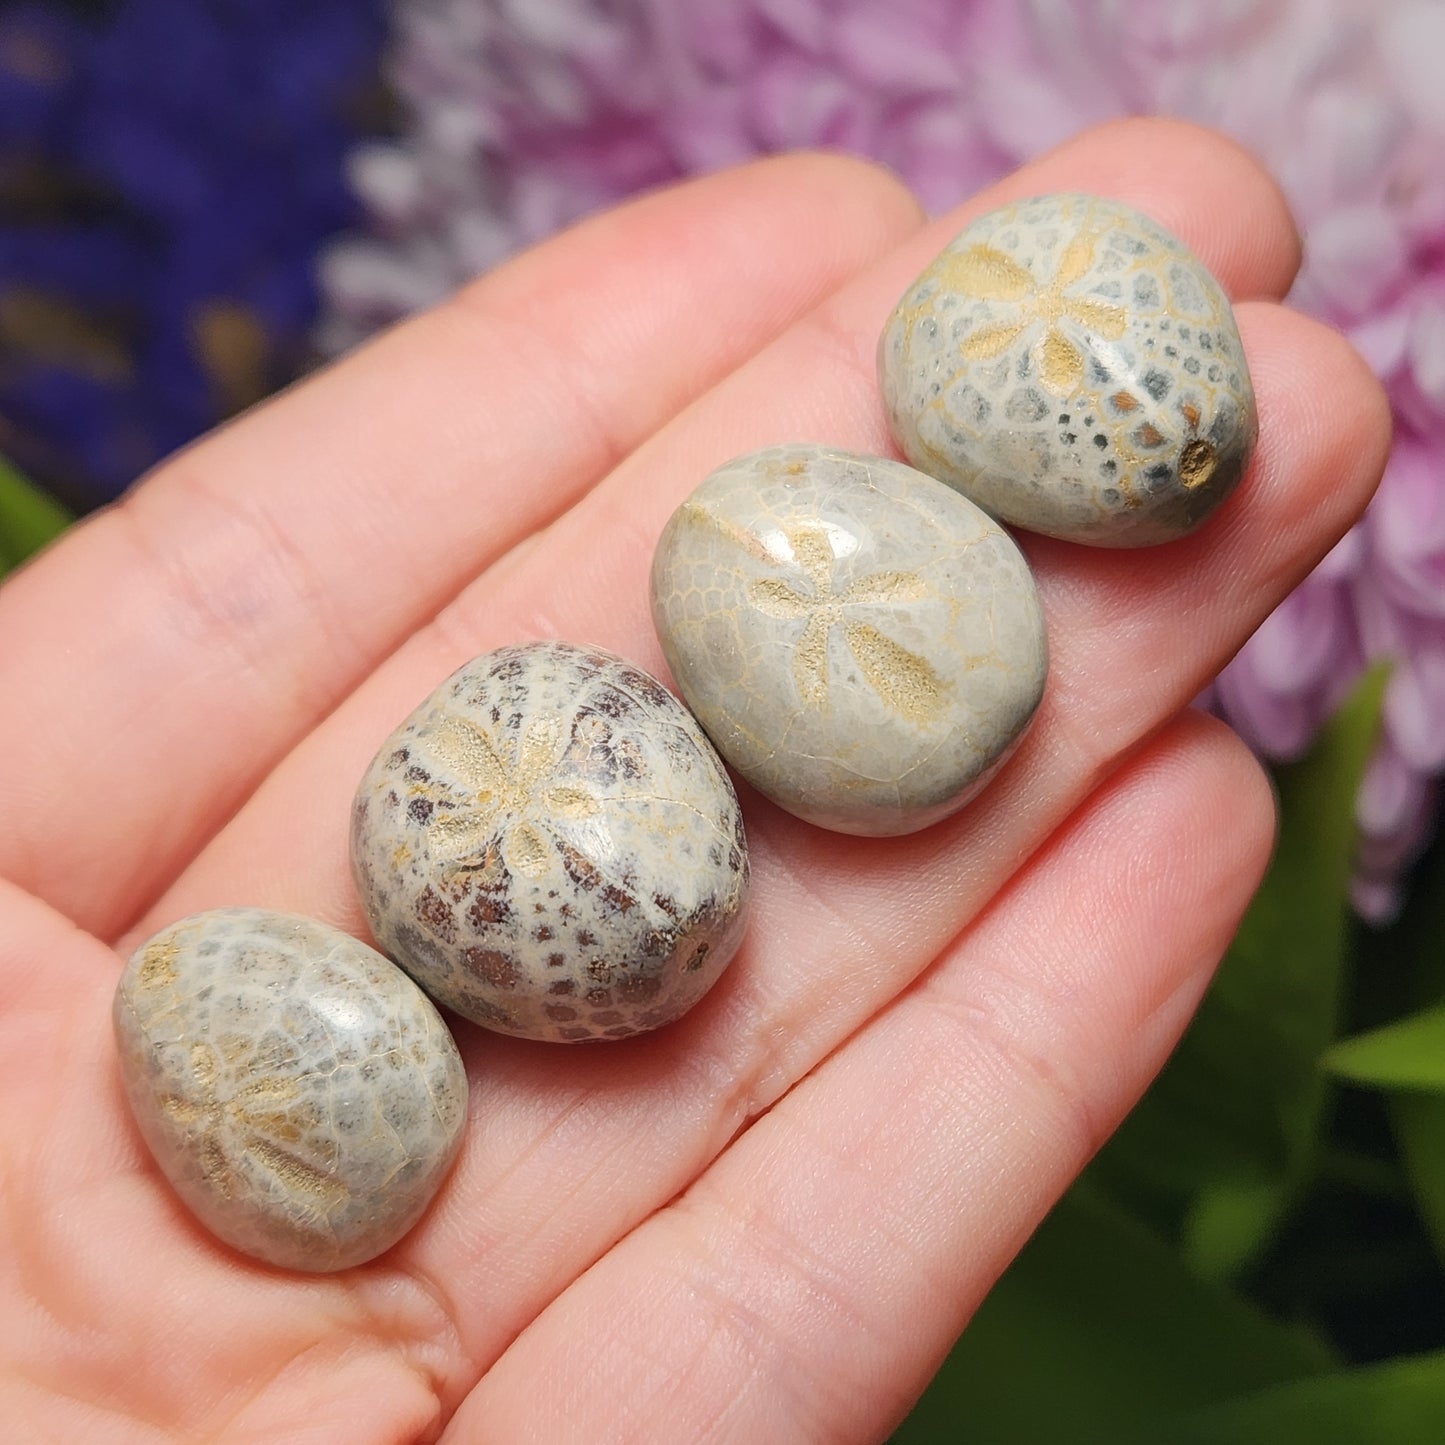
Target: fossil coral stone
[550,846]
[862,644]
[300,1092]
[1074,369]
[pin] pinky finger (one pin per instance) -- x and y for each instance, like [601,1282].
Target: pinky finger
[810,1282]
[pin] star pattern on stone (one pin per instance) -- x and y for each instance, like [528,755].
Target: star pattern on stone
[248,1122]
[513,804]
[985,273]
[905,681]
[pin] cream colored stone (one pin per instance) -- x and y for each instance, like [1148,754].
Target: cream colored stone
[862,644]
[298,1090]
[1073,368]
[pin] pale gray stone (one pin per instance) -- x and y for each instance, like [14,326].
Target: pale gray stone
[300,1092]
[863,645]
[550,846]
[1073,368]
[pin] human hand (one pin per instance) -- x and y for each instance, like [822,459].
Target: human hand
[770,1220]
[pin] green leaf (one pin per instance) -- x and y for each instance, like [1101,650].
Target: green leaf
[1407,1058]
[1401,1402]
[1419,1124]
[28,518]
[1227,1218]
[1099,1325]
[1222,1143]
[1403,968]
[1408,1054]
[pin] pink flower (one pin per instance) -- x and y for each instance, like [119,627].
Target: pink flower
[526,114]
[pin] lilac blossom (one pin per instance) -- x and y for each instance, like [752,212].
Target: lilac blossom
[525,114]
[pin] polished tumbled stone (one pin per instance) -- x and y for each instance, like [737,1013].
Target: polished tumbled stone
[301,1093]
[550,846]
[1073,368]
[862,644]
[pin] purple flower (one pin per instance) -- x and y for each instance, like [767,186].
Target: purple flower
[524,114]
[173,166]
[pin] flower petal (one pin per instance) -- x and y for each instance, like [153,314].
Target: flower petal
[526,850]
[567,802]
[468,752]
[810,663]
[774,598]
[991,340]
[886,587]
[905,681]
[1060,363]
[1077,258]
[453,836]
[814,552]
[1102,318]
[984,272]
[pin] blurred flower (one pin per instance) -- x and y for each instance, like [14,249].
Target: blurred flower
[525,114]
[168,170]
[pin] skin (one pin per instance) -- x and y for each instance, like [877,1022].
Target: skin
[771,1220]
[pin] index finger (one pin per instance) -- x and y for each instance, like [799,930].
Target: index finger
[159,660]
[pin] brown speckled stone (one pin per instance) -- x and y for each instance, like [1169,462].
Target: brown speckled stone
[298,1090]
[550,846]
[1072,367]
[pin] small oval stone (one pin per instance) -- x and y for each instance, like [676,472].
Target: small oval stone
[551,848]
[301,1094]
[1073,368]
[862,644]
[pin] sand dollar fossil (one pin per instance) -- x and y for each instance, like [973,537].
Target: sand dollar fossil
[863,644]
[299,1091]
[550,846]
[1074,369]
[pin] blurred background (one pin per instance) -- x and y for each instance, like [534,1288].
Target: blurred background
[200,200]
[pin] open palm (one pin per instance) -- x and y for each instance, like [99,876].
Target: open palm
[769,1221]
